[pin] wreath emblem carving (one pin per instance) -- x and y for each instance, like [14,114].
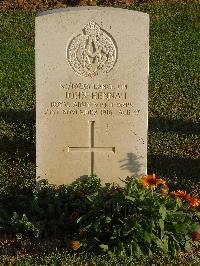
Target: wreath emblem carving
[92,52]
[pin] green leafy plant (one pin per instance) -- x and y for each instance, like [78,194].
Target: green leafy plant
[56,209]
[140,218]
[137,220]
[23,227]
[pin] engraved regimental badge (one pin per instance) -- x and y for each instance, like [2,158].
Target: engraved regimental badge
[92,52]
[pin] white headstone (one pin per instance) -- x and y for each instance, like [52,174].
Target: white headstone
[91,93]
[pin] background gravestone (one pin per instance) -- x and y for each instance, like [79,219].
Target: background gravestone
[91,93]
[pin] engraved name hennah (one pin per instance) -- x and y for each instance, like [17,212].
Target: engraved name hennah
[92,52]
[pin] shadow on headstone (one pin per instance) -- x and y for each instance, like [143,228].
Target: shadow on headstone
[131,163]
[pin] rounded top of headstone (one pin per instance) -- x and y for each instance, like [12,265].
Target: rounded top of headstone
[89,8]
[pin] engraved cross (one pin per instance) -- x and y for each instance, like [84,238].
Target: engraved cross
[91,148]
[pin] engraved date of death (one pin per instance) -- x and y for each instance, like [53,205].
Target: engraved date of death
[93,112]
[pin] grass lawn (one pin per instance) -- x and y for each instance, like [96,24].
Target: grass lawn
[174,103]
[64,258]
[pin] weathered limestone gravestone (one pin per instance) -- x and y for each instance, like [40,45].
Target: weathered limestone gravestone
[91,93]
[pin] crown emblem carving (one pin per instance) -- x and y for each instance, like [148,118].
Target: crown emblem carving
[92,52]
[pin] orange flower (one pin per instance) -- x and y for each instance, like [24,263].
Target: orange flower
[194,202]
[180,194]
[74,245]
[151,182]
[164,190]
[196,236]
